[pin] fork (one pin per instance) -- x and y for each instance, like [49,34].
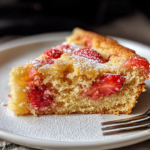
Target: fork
[140,122]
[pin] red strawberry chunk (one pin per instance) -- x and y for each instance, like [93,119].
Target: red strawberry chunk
[90,54]
[139,62]
[38,97]
[108,84]
[52,53]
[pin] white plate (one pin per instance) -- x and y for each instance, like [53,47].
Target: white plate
[60,132]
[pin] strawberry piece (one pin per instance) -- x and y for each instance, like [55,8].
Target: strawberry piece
[90,54]
[9,95]
[139,62]
[37,96]
[52,53]
[108,84]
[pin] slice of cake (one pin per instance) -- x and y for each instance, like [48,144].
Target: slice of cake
[87,74]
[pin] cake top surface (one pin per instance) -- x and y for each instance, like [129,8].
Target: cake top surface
[90,52]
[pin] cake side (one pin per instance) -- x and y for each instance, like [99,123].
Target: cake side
[18,103]
[67,95]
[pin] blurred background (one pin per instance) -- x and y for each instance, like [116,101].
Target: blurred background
[123,18]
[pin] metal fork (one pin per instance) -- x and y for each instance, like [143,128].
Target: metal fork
[139,122]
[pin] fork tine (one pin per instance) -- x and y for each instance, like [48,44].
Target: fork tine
[144,115]
[143,126]
[127,124]
[123,125]
[124,120]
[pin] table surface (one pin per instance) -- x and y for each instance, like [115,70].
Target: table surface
[135,27]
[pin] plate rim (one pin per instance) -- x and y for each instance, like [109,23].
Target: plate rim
[103,144]
[38,143]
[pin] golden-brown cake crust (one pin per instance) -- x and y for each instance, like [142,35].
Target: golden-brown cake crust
[100,43]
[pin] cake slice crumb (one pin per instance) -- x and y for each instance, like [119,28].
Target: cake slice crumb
[3,104]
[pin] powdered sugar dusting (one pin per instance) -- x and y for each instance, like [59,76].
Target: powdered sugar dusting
[90,54]
[60,62]
[35,63]
[76,47]
[78,61]
[85,63]
[51,65]
[46,66]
